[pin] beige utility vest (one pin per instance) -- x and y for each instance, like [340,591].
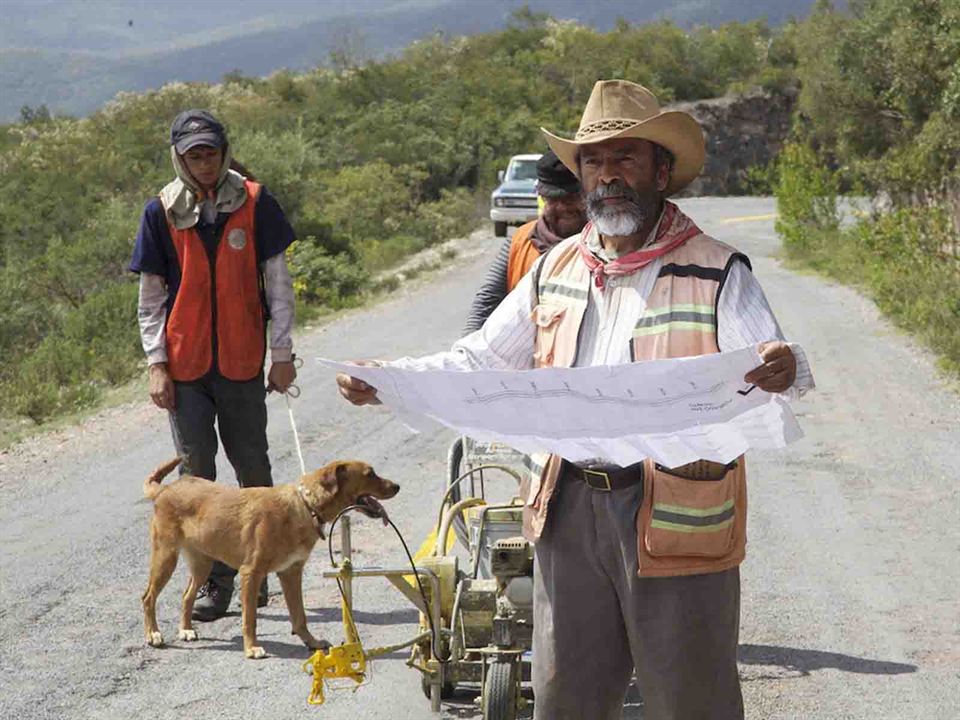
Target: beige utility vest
[685,526]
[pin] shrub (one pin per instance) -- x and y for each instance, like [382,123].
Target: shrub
[319,277]
[761,179]
[806,196]
[905,259]
[97,344]
[909,266]
[379,254]
[374,200]
[454,214]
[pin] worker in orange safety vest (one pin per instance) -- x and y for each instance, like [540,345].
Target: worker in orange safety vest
[210,255]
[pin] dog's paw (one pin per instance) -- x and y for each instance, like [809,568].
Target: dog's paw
[155,639]
[255,653]
[188,635]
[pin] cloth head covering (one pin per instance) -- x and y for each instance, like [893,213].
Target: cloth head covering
[182,197]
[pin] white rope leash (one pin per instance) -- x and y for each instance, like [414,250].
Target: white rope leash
[296,436]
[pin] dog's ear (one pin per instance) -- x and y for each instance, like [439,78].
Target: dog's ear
[328,480]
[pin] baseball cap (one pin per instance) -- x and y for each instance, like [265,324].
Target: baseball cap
[553,177]
[196,127]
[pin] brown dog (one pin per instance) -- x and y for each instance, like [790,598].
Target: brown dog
[257,530]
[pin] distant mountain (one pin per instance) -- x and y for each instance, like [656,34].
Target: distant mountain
[74,56]
[117,26]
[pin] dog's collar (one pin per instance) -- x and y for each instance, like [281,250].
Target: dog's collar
[306,496]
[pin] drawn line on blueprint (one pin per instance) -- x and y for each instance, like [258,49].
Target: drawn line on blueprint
[599,398]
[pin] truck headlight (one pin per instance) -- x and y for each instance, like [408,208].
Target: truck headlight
[498,202]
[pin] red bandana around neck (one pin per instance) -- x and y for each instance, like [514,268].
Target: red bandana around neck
[675,228]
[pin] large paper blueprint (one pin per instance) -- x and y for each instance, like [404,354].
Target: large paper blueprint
[674,411]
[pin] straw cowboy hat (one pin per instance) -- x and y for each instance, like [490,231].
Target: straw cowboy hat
[622,109]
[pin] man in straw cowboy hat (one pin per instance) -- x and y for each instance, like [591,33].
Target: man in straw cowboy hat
[636,567]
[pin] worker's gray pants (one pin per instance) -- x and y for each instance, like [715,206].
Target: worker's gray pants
[240,411]
[596,621]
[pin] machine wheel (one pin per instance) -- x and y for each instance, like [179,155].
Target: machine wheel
[500,229]
[500,692]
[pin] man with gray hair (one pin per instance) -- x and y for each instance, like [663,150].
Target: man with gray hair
[636,568]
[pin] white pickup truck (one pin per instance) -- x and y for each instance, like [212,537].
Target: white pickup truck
[514,202]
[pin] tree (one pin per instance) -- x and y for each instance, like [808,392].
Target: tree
[32,115]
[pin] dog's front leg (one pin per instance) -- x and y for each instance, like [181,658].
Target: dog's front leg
[291,580]
[249,587]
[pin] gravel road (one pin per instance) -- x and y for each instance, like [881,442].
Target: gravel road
[850,606]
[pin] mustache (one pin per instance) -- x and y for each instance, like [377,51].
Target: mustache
[615,189]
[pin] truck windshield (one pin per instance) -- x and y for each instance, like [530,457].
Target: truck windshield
[523,170]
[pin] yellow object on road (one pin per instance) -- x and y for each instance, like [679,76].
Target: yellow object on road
[748,218]
[346,660]
[342,661]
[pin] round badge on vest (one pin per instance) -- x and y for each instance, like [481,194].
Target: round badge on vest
[237,239]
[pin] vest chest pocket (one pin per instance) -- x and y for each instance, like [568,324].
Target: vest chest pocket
[547,319]
[693,518]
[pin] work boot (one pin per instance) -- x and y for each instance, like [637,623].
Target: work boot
[213,599]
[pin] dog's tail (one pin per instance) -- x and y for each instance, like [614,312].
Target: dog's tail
[151,486]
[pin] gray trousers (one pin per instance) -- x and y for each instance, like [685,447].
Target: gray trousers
[596,622]
[240,412]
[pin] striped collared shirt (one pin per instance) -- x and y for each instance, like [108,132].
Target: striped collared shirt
[506,340]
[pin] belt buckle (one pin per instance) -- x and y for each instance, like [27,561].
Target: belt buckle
[606,487]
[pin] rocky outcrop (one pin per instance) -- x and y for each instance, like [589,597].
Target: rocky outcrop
[741,132]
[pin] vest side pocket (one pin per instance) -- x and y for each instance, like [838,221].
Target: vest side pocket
[691,518]
[547,319]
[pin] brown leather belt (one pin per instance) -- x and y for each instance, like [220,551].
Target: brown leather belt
[607,478]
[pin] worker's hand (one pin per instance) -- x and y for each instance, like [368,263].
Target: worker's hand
[281,376]
[779,368]
[161,387]
[356,391]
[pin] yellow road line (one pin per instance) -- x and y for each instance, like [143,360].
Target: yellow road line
[748,218]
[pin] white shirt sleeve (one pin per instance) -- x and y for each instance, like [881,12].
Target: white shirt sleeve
[278,288]
[504,342]
[744,319]
[152,317]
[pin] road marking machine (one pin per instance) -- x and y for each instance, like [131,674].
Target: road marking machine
[476,624]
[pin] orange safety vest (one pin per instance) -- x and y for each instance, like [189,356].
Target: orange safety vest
[685,526]
[227,295]
[523,253]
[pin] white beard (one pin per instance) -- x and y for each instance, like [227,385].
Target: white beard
[625,219]
[617,224]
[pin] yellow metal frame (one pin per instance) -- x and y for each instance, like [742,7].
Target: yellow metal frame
[349,659]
